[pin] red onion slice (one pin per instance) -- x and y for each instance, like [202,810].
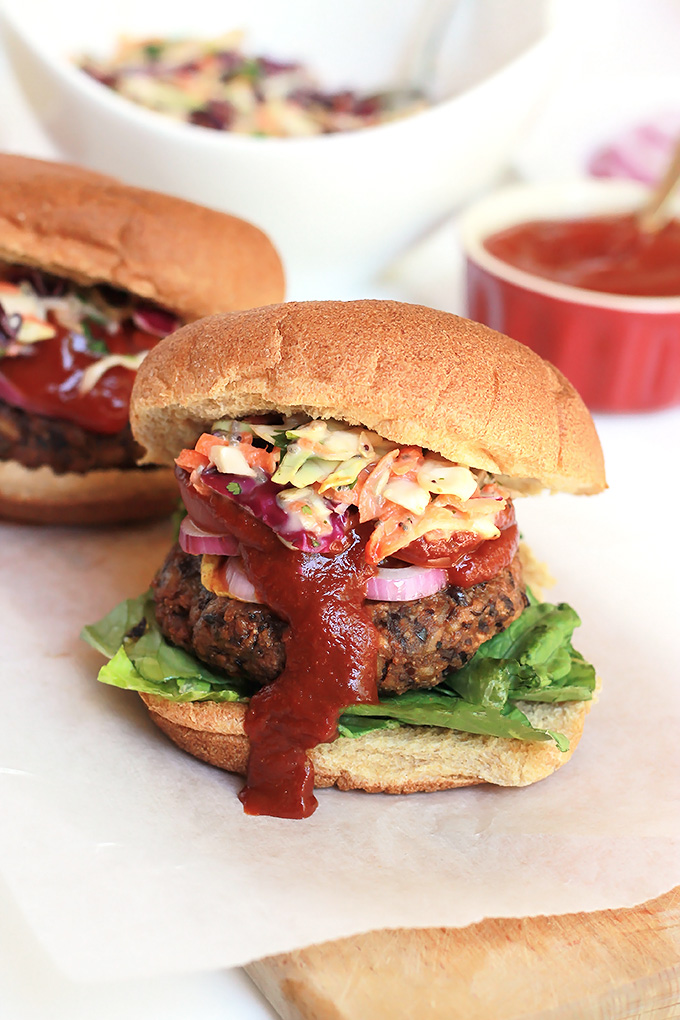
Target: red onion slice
[641,153]
[403,584]
[11,395]
[196,541]
[155,321]
[240,587]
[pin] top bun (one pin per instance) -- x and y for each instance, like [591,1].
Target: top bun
[412,374]
[93,229]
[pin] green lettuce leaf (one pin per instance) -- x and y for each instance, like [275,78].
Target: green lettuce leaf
[531,661]
[107,634]
[356,726]
[434,708]
[142,660]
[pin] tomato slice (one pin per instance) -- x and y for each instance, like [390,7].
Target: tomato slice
[449,551]
[468,558]
[487,561]
[439,552]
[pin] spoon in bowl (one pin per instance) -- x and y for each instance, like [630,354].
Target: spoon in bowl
[418,69]
[655,212]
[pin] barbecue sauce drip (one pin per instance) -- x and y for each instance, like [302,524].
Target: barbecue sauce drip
[331,644]
[46,380]
[331,651]
[487,560]
[467,558]
[331,662]
[610,254]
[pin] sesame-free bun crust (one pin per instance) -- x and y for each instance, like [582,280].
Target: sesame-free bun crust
[39,496]
[410,759]
[93,229]
[412,374]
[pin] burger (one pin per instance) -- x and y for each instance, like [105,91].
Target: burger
[92,275]
[348,602]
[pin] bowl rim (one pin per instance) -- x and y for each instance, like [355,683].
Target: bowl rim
[512,204]
[208,137]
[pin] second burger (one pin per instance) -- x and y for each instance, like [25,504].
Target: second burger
[93,274]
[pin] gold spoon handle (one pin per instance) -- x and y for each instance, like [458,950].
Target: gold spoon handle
[655,212]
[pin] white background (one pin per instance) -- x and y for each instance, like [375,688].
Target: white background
[627,40]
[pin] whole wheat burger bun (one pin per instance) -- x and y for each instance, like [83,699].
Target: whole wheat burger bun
[93,229]
[416,376]
[411,759]
[107,496]
[410,373]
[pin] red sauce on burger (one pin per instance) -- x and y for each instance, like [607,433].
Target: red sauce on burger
[48,375]
[331,642]
[467,558]
[47,378]
[487,560]
[331,662]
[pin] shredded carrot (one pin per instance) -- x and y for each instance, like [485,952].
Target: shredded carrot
[409,460]
[191,459]
[256,457]
[449,500]
[491,489]
[474,507]
[399,528]
[318,449]
[371,486]
[389,534]
[346,496]
[206,442]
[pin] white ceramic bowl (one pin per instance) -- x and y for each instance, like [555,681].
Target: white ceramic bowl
[622,352]
[338,207]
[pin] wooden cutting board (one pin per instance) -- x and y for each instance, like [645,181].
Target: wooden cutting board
[609,965]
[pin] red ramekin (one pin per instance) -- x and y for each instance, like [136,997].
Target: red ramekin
[622,353]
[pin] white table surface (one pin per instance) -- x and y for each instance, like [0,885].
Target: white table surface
[31,988]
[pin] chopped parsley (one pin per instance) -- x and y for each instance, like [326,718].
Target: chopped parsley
[153,50]
[234,488]
[251,69]
[281,440]
[94,344]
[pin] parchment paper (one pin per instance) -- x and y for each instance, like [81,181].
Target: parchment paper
[129,857]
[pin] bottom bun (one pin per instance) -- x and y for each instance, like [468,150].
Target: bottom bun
[113,496]
[410,759]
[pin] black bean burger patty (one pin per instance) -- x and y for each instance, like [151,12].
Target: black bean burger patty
[419,641]
[34,440]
